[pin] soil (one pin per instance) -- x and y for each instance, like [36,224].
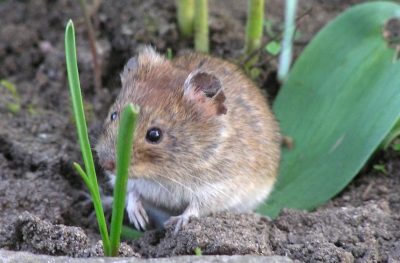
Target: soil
[43,203]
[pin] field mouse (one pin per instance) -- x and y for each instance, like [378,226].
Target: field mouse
[205,141]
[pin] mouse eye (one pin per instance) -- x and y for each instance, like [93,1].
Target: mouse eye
[113,115]
[153,135]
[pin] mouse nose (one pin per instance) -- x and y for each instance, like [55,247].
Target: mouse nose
[108,165]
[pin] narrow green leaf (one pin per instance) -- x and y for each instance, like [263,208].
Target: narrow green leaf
[129,233]
[76,98]
[84,176]
[185,17]
[201,35]
[124,150]
[254,25]
[77,105]
[340,101]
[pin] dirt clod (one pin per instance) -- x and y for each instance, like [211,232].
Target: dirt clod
[40,236]
[97,251]
[226,234]
[366,233]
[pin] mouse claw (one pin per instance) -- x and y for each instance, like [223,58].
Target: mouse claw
[179,222]
[137,214]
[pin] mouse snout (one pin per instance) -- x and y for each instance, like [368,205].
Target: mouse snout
[108,165]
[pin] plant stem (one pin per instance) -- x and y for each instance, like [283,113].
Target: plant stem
[185,16]
[285,58]
[254,25]
[201,38]
[124,150]
[92,44]
[77,104]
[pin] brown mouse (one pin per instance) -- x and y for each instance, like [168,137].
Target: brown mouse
[206,140]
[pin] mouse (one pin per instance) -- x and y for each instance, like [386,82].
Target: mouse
[206,140]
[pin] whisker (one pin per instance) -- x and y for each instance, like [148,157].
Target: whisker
[162,186]
[205,181]
[177,182]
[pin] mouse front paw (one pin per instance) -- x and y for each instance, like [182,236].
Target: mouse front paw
[182,220]
[136,212]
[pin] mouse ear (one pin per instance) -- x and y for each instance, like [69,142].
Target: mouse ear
[130,66]
[205,91]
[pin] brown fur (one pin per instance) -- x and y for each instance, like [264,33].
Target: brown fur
[226,139]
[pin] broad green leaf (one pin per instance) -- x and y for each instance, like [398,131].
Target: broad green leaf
[341,99]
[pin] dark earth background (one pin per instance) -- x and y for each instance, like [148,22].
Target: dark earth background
[43,203]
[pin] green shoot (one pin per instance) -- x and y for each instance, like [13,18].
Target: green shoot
[201,38]
[10,87]
[130,233]
[396,146]
[89,177]
[185,16]
[380,168]
[393,134]
[197,251]
[290,25]
[13,102]
[124,150]
[169,54]
[273,48]
[254,26]
[14,108]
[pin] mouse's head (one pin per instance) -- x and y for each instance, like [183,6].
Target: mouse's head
[180,124]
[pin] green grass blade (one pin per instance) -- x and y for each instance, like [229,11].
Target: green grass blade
[77,104]
[201,35]
[254,25]
[97,206]
[124,151]
[340,101]
[101,220]
[76,97]
[185,16]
